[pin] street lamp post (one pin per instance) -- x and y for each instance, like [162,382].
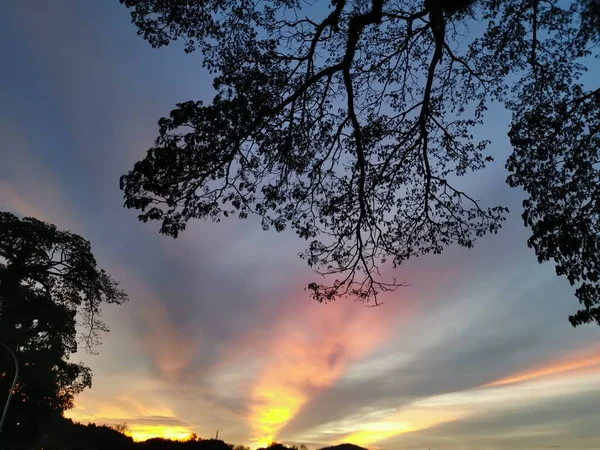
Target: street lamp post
[12,388]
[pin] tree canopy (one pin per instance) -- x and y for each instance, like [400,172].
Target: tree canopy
[47,278]
[352,122]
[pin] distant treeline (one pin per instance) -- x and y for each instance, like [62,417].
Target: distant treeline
[65,434]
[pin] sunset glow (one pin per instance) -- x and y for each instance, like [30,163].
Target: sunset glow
[141,433]
[275,410]
[310,354]
[219,334]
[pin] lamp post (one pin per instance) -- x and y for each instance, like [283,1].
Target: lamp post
[12,388]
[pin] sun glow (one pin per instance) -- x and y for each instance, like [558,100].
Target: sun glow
[314,348]
[275,407]
[279,407]
[143,432]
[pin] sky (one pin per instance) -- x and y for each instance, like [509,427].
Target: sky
[219,334]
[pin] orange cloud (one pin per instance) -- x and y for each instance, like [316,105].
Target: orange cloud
[170,350]
[167,346]
[311,347]
[562,367]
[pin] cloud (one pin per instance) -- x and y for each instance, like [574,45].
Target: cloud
[368,428]
[27,187]
[565,367]
[447,360]
[566,421]
[16,203]
[407,420]
[171,349]
[219,334]
[510,397]
[305,350]
[432,354]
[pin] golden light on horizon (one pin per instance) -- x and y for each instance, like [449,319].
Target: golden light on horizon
[263,444]
[144,432]
[144,419]
[560,367]
[404,421]
[377,432]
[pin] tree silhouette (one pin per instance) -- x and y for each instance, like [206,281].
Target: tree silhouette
[277,446]
[47,277]
[352,123]
[198,444]
[64,434]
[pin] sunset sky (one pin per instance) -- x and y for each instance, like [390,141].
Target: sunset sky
[477,353]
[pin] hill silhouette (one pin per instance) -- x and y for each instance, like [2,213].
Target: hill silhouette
[344,447]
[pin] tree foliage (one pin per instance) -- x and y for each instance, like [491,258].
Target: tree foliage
[47,277]
[352,123]
[56,265]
